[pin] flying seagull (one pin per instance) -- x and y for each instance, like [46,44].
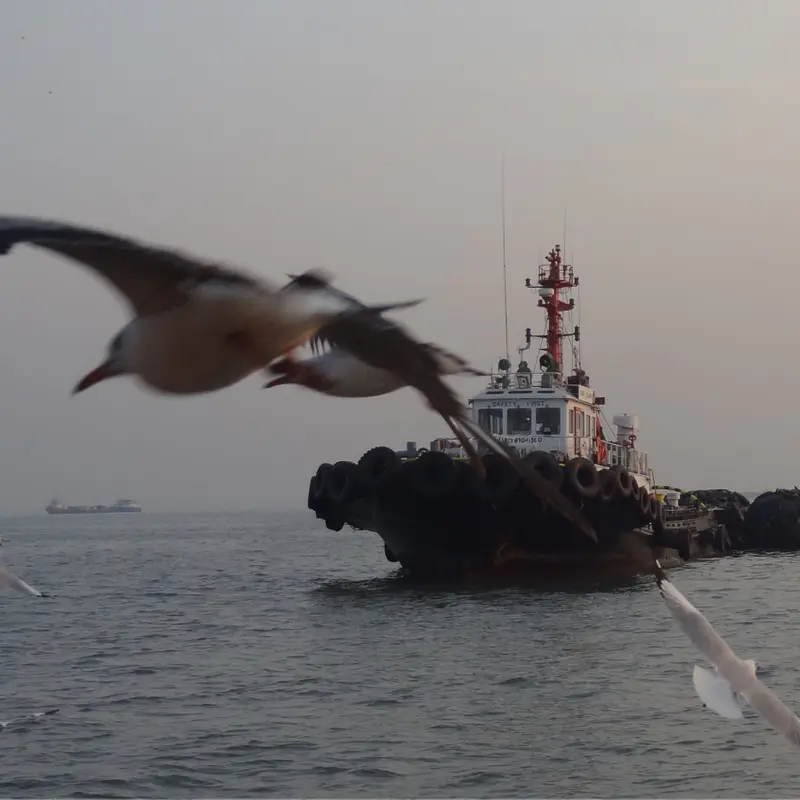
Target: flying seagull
[733,680]
[10,581]
[197,326]
[339,373]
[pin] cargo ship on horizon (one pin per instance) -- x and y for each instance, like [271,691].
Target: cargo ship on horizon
[122,506]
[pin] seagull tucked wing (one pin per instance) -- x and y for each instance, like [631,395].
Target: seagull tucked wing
[384,344]
[152,279]
[762,700]
[694,624]
[11,581]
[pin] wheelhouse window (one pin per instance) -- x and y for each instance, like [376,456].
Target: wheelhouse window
[491,419]
[519,421]
[548,421]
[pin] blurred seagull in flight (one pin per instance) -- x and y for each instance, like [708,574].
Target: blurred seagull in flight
[197,327]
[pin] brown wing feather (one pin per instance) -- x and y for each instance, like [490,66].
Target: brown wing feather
[384,344]
[151,278]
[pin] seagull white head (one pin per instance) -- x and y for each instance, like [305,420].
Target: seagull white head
[113,365]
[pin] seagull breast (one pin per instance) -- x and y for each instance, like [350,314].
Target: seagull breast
[198,346]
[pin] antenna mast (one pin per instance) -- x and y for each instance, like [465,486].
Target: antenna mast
[554,277]
[503,221]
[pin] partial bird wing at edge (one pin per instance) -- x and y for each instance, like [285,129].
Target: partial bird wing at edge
[152,279]
[10,581]
[766,703]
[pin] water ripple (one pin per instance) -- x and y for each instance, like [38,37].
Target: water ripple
[257,655]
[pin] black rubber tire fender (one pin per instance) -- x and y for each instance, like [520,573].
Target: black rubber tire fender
[377,467]
[546,465]
[342,484]
[685,546]
[323,471]
[659,528]
[313,493]
[581,478]
[644,502]
[501,479]
[390,556]
[432,475]
[334,521]
[624,480]
[609,485]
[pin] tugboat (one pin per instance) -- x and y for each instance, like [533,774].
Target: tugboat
[439,518]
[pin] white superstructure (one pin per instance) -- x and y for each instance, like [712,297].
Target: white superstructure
[548,408]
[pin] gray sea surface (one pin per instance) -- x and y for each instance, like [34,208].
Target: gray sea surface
[238,655]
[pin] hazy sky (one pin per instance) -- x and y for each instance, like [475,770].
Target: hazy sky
[367,137]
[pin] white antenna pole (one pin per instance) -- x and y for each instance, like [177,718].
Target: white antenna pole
[503,219]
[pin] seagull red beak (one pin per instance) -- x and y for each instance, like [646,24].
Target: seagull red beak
[284,379]
[288,369]
[105,371]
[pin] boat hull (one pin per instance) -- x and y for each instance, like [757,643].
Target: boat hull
[444,526]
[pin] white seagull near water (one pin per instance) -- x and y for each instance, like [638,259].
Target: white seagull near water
[733,680]
[201,327]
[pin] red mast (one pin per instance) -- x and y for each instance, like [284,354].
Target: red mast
[555,276]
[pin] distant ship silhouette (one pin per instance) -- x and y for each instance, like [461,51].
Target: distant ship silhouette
[122,506]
